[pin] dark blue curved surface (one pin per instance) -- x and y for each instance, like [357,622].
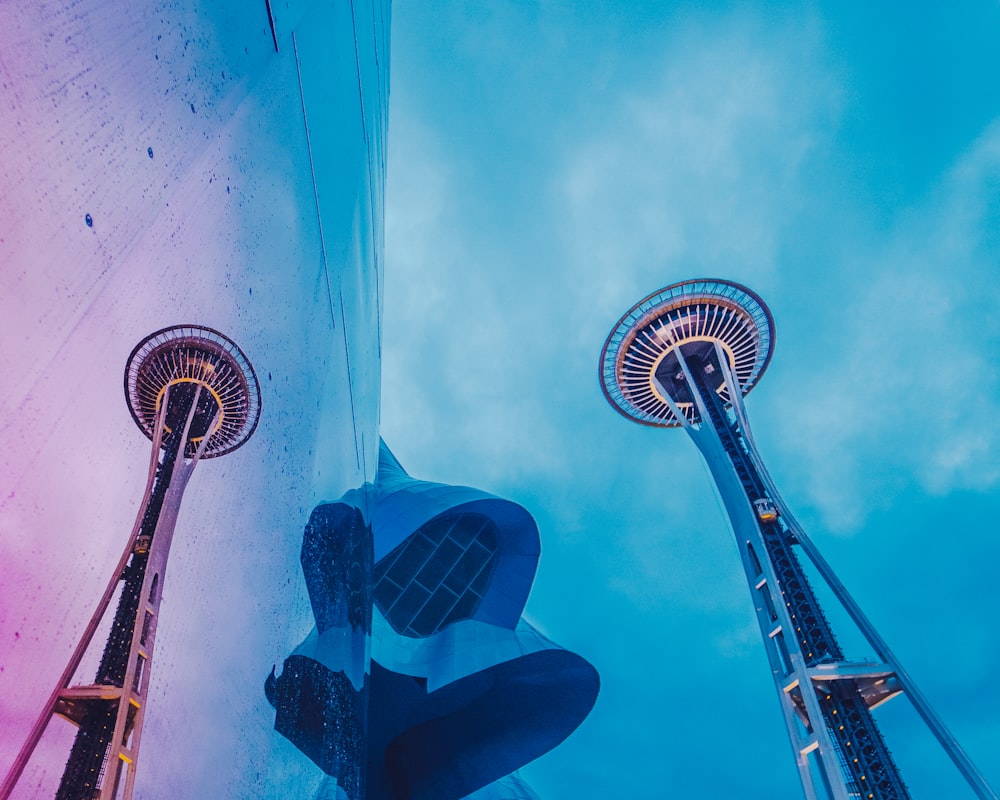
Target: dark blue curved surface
[451,742]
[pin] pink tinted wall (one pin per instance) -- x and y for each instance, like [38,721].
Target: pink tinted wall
[180,162]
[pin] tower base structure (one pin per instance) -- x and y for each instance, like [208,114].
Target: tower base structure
[685,357]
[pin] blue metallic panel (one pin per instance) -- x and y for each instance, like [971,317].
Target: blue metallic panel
[451,559]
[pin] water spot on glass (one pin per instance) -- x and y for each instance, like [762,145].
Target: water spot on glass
[89,220]
[149,151]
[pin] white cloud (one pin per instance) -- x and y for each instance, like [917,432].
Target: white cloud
[911,394]
[492,335]
[700,170]
[458,328]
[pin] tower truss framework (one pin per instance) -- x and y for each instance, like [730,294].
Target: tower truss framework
[192,391]
[685,357]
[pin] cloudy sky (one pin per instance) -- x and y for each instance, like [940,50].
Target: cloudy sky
[550,163]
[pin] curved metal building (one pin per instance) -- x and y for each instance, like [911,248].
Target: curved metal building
[223,164]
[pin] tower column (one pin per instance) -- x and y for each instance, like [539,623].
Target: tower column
[685,357]
[807,730]
[894,669]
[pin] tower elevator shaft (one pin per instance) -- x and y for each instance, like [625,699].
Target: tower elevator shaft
[685,356]
[109,712]
[829,717]
[91,753]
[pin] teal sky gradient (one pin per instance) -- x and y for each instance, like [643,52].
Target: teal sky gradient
[552,163]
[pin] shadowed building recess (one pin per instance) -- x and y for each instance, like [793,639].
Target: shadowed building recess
[685,357]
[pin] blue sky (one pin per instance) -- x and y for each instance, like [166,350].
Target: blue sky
[552,163]
[549,165]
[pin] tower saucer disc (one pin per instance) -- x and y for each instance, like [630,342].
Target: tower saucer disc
[183,357]
[705,310]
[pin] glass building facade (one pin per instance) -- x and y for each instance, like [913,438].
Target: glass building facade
[223,165]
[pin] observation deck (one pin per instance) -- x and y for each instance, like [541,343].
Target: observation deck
[172,363]
[639,358]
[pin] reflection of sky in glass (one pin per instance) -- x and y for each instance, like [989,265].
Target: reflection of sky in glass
[158,170]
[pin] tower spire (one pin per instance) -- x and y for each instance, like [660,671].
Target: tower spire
[685,357]
[194,394]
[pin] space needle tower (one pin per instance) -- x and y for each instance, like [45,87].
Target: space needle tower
[684,357]
[192,391]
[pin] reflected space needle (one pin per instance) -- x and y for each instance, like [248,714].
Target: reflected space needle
[192,391]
